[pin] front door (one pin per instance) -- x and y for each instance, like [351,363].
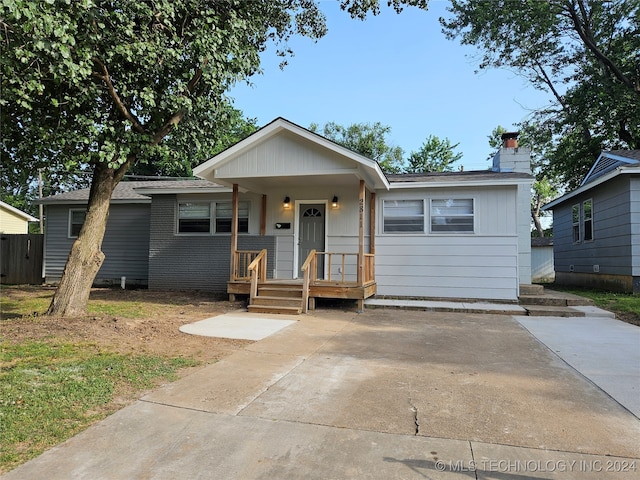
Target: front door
[311,234]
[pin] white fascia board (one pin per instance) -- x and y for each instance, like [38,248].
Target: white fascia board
[450,184]
[181,190]
[584,188]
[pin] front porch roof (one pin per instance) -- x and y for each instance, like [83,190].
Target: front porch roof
[283,153]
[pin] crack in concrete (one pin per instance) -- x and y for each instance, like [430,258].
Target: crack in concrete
[414,410]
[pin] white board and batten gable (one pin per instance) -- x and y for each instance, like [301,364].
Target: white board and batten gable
[283,153]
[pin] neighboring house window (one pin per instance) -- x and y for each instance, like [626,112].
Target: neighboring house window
[587,215]
[575,220]
[194,217]
[452,215]
[224,211]
[403,216]
[76,220]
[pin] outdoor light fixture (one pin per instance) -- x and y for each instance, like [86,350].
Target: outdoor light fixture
[287,202]
[334,201]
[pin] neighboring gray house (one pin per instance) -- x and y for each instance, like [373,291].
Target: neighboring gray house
[596,227]
[303,209]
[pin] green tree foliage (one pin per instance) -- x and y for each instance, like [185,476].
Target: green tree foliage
[360,8]
[435,155]
[231,127]
[107,85]
[586,53]
[370,140]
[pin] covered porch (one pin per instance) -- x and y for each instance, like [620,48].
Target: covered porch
[312,218]
[323,274]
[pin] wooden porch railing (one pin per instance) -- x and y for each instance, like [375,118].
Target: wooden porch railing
[251,266]
[241,261]
[258,271]
[310,271]
[309,275]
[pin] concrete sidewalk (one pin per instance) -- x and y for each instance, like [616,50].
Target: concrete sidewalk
[387,394]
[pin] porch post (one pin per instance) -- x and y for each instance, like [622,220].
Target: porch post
[234,229]
[263,216]
[361,233]
[372,224]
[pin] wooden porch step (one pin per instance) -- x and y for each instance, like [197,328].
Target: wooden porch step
[275,309]
[282,291]
[280,298]
[265,300]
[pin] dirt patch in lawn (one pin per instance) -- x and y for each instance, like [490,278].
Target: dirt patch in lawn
[149,322]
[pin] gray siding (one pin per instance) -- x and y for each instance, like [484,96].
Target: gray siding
[125,245]
[634,212]
[193,262]
[611,248]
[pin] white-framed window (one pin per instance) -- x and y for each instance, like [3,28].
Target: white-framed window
[452,215]
[224,211]
[587,219]
[76,220]
[403,216]
[211,217]
[575,222]
[194,217]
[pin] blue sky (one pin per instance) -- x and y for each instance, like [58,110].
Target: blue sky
[398,70]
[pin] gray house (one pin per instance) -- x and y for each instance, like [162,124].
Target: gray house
[596,227]
[286,206]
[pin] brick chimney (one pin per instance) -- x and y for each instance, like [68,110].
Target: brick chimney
[511,158]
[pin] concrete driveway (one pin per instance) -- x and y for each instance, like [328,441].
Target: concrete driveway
[387,394]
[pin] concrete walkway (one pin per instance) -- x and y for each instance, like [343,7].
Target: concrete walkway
[387,394]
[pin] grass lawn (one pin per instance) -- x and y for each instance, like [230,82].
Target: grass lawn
[50,391]
[60,375]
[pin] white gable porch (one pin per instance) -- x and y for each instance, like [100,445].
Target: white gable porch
[317,200]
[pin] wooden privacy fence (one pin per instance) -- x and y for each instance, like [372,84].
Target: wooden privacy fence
[21,258]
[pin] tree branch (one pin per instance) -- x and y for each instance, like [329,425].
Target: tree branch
[122,108]
[549,83]
[177,117]
[586,36]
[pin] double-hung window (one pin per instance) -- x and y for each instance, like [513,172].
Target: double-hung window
[575,222]
[403,216]
[211,217]
[76,220]
[194,217]
[453,215]
[587,219]
[224,211]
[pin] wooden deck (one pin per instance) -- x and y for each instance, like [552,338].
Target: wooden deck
[321,289]
[298,295]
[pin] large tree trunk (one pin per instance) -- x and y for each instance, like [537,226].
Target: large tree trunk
[86,257]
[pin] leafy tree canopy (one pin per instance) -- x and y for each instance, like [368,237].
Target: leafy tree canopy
[89,84]
[370,140]
[435,155]
[584,52]
[86,82]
